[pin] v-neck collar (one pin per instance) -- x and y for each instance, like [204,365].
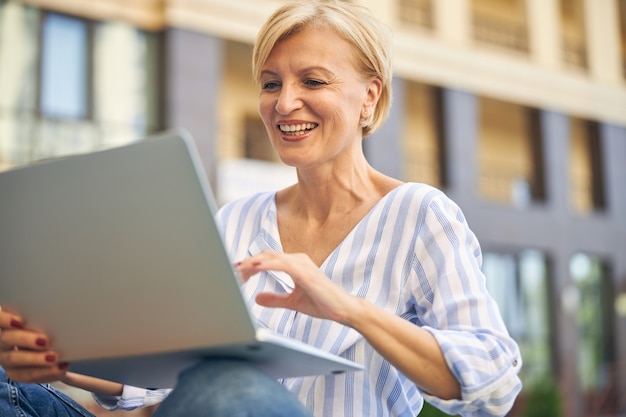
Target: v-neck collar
[268,237]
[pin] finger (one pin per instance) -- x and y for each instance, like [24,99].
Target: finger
[299,267]
[273,300]
[16,358]
[37,375]
[249,267]
[10,320]
[23,339]
[261,262]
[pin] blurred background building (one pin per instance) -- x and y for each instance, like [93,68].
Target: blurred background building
[515,108]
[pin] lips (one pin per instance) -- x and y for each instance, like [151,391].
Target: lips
[296,129]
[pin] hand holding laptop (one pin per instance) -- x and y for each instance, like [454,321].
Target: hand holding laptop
[26,356]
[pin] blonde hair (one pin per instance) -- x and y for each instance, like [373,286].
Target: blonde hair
[371,41]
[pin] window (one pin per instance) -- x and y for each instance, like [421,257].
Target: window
[97,86]
[124,96]
[511,166]
[416,13]
[621,4]
[586,167]
[73,86]
[594,317]
[64,67]
[257,144]
[18,75]
[519,282]
[424,138]
[501,23]
[573,43]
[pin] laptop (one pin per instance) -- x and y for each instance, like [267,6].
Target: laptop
[116,255]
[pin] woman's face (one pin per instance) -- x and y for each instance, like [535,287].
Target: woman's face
[313,97]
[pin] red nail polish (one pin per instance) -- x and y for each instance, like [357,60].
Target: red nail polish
[256,263]
[51,358]
[17,324]
[238,264]
[63,366]
[40,341]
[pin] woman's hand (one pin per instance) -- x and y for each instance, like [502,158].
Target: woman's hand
[413,350]
[25,355]
[314,293]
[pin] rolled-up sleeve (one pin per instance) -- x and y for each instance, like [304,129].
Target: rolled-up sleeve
[465,320]
[486,370]
[132,398]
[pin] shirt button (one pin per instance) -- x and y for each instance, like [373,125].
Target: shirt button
[515,362]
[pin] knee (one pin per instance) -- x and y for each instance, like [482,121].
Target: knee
[226,375]
[229,388]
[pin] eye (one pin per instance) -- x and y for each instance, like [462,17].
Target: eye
[270,85]
[314,83]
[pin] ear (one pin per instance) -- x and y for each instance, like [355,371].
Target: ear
[374,88]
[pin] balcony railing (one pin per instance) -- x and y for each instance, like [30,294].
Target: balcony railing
[574,53]
[416,13]
[500,33]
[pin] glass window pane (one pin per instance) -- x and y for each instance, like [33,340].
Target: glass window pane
[535,342]
[18,68]
[423,139]
[519,284]
[586,167]
[64,67]
[257,144]
[416,13]
[621,4]
[594,330]
[509,154]
[501,23]
[573,33]
[500,270]
[120,82]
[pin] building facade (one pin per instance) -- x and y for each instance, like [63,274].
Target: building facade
[515,108]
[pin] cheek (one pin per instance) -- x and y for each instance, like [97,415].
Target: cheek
[347,116]
[266,108]
[350,108]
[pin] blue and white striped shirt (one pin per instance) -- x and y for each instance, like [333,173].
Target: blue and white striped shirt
[413,254]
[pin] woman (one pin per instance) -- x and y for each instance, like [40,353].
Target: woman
[349,260]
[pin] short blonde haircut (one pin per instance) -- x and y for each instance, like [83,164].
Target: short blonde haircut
[370,39]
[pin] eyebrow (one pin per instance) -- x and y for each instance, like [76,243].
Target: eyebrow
[325,70]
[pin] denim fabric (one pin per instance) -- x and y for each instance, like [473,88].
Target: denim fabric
[229,388]
[215,388]
[36,400]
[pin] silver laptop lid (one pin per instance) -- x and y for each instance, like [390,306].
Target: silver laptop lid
[88,239]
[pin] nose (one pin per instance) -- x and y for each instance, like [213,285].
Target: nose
[288,100]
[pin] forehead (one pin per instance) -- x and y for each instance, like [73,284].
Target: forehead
[318,44]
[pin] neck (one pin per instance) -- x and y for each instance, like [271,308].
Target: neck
[326,192]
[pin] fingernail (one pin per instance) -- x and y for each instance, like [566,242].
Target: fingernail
[238,264]
[51,358]
[17,324]
[256,263]
[41,341]
[63,366]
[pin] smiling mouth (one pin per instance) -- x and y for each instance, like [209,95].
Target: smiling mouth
[297,129]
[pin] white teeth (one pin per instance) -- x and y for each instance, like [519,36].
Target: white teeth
[297,129]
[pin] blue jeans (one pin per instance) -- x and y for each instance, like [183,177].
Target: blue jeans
[229,388]
[36,400]
[213,388]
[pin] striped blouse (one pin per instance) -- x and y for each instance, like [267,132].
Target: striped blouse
[412,254]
